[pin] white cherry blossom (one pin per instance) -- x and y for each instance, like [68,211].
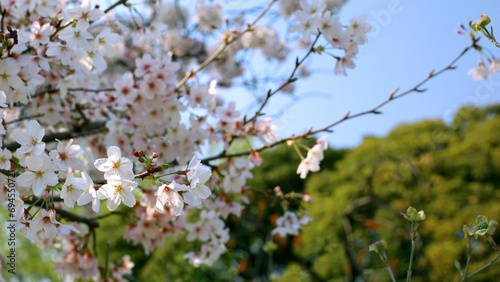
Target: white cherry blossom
[31,138]
[170,194]
[40,174]
[119,190]
[72,190]
[90,194]
[115,164]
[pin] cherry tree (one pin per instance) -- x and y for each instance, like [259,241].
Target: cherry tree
[121,104]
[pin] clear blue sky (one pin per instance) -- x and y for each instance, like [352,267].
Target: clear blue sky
[416,37]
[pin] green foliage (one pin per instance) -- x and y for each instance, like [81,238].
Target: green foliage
[451,172]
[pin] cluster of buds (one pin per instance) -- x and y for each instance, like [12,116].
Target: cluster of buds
[480,26]
[149,161]
[8,40]
[413,215]
[482,227]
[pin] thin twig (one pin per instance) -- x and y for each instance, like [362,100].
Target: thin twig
[348,116]
[290,80]
[413,235]
[469,253]
[107,262]
[227,41]
[487,265]
[383,257]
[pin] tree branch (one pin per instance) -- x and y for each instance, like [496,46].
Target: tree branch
[93,128]
[227,41]
[328,128]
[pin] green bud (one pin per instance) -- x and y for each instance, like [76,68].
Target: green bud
[412,214]
[475,27]
[319,49]
[482,227]
[270,247]
[484,20]
[481,23]
[378,246]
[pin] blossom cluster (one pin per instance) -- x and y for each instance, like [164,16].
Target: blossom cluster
[290,224]
[481,71]
[82,88]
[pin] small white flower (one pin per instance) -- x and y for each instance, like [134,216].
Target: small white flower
[30,139]
[90,194]
[197,176]
[66,156]
[72,190]
[119,190]
[5,156]
[85,13]
[39,175]
[105,40]
[479,72]
[77,36]
[115,164]
[169,194]
[495,65]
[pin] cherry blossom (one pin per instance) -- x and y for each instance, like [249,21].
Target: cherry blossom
[5,156]
[165,88]
[77,36]
[90,194]
[197,176]
[72,190]
[169,194]
[9,76]
[31,138]
[84,12]
[115,164]
[119,190]
[39,175]
[66,156]
[479,72]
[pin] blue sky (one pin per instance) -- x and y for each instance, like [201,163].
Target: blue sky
[408,39]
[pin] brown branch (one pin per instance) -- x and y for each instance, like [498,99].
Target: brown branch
[3,12]
[92,223]
[227,41]
[115,5]
[328,128]
[290,80]
[93,128]
[53,35]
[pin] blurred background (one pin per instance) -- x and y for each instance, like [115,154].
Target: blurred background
[438,151]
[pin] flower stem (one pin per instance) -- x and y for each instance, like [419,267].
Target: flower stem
[383,257]
[408,277]
[469,252]
[484,267]
[494,245]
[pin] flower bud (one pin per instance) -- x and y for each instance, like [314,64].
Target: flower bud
[481,23]
[378,246]
[482,227]
[412,214]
